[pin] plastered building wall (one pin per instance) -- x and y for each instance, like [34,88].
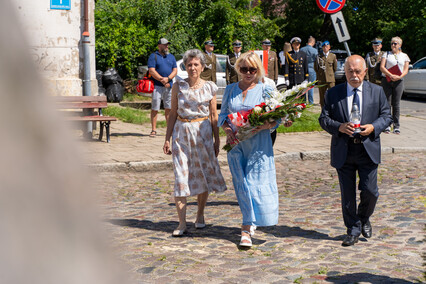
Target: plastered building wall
[55,43]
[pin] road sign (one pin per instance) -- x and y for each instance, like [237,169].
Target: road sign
[60,4]
[331,6]
[340,27]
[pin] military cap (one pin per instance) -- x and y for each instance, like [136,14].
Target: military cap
[163,41]
[376,41]
[209,42]
[295,39]
[326,42]
[266,42]
[237,43]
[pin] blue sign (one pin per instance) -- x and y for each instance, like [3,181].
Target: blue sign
[330,6]
[60,4]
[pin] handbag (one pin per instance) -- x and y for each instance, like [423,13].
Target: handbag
[145,85]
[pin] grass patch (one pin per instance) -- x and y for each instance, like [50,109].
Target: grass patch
[128,97]
[306,123]
[131,115]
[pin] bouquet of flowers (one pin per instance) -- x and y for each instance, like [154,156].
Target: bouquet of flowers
[285,105]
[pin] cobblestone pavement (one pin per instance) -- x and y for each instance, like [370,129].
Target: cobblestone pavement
[305,247]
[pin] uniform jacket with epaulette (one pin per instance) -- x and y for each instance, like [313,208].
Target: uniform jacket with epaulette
[296,67]
[209,73]
[325,68]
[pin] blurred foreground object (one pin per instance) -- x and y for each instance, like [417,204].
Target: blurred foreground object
[50,233]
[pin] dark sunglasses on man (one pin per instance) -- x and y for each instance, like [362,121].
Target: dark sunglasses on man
[252,70]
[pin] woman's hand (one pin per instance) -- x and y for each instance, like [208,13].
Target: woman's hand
[216,147]
[266,125]
[166,148]
[230,135]
[288,123]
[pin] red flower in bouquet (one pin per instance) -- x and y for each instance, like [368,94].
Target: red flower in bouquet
[280,105]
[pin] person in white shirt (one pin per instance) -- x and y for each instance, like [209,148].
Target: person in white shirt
[394,66]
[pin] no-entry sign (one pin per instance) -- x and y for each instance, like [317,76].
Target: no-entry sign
[331,6]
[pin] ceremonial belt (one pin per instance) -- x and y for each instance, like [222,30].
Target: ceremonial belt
[192,120]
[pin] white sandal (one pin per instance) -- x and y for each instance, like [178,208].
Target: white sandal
[245,238]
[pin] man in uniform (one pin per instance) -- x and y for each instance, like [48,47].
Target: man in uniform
[296,67]
[311,56]
[209,72]
[231,72]
[272,67]
[372,60]
[325,66]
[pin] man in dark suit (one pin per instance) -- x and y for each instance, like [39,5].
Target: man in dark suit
[231,73]
[360,152]
[296,66]
[209,72]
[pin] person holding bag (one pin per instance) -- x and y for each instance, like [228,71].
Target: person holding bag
[394,66]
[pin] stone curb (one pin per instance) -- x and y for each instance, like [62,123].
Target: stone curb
[291,156]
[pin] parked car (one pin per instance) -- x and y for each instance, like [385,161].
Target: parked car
[339,75]
[415,80]
[220,75]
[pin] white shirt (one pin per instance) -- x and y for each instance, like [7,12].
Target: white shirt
[350,95]
[394,59]
[326,54]
[237,54]
[282,57]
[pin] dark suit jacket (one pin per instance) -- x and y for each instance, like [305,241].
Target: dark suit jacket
[375,110]
[296,68]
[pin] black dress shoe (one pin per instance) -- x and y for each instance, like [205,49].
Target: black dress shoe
[350,240]
[366,230]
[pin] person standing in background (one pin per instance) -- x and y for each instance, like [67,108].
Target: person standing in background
[162,67]
[272,68]
[394,65]
[282,55]
[209,72]
[372,60]
[296,67]
[231,73]
[311,56]
[325,66]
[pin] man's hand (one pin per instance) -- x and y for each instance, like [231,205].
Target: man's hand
[347,128]
[164,80]
[366,129]
[287,82]
[167,85]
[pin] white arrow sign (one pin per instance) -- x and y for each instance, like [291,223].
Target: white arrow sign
[340,27]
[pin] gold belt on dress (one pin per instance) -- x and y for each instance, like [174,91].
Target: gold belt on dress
[192,120]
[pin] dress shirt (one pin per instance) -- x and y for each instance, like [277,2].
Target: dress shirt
[350,95]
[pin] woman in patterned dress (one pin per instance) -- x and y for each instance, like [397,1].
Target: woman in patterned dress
[192,125]
[251,162]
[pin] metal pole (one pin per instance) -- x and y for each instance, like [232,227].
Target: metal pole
[87,90]
[347,48]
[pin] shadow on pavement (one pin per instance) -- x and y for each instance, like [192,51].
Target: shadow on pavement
[286,231]
[213,203]
[363,277]
[231,234]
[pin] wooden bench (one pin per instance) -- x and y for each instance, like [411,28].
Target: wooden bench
[88,105]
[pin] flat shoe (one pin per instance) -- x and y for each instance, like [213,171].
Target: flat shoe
[178,233]
[248,242]
[200,225]
[153,134]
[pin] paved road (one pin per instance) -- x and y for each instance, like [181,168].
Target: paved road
[305,247]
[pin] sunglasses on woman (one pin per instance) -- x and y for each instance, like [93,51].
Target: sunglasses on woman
[394,43]
[252,70]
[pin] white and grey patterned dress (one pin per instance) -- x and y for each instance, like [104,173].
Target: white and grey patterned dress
[195,164]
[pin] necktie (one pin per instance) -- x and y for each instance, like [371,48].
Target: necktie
[356,98]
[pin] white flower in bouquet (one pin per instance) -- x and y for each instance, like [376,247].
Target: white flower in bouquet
[272,103]
[257,109]
[304,85]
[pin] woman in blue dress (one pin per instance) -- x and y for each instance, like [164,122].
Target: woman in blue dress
[251,162]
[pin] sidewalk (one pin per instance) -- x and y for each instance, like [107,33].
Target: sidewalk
[131,145]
